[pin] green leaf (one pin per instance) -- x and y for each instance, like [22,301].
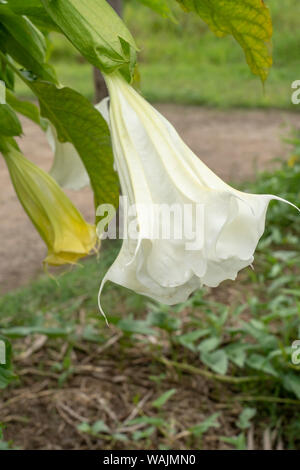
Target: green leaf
[7,76]
[291,382]
[23,31]
[209,344]
[22,331]
[6,377]
[236,353]
[77,121]
[6,143]
[163,320]
[188,339]
[248,21]
[28,109]
[135,326]
[24,43]
[260,332]
[35,11]
[96,31]
[90,333]
[201,428]
[245,417]
[238,442]
[217,361]
[99,426]
[117,436]
[27,7]
[259,362]
[3,444]
[9,122]
[138,435]
[162,400]
[84,427]
[162,7]
[153,420]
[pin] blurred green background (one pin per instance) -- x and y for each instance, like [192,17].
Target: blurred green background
[184,62]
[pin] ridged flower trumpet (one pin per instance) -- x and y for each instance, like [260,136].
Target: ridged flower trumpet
[65,232]
[156,168]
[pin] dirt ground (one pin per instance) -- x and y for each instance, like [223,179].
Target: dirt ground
[104,384]
[104,392]
[233,143]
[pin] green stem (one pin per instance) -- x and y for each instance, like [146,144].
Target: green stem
[287,401]
[211,375]
[14,68]
[17,71]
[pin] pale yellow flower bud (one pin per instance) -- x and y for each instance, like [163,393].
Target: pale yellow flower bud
[67,235]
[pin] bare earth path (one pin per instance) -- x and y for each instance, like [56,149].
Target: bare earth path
[232,143]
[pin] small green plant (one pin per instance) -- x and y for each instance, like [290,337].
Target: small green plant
[162,400]
[237,442]
[4,445]
[244,421]
[198,430]
[100,430]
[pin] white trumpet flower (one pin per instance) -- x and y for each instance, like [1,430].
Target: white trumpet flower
[67,169]
[157,168]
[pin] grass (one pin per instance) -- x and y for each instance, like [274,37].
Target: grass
[136,384]
[186,63]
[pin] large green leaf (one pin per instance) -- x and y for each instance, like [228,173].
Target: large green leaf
[77,121]
[27,7]
[96,31]
[24,43]
[23,30]
[248,21]
[35,11]
[9,122]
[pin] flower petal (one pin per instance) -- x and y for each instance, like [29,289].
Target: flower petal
[67,169]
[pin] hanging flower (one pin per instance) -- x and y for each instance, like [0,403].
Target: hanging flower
[65,232]
[156,168]
[67,169]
